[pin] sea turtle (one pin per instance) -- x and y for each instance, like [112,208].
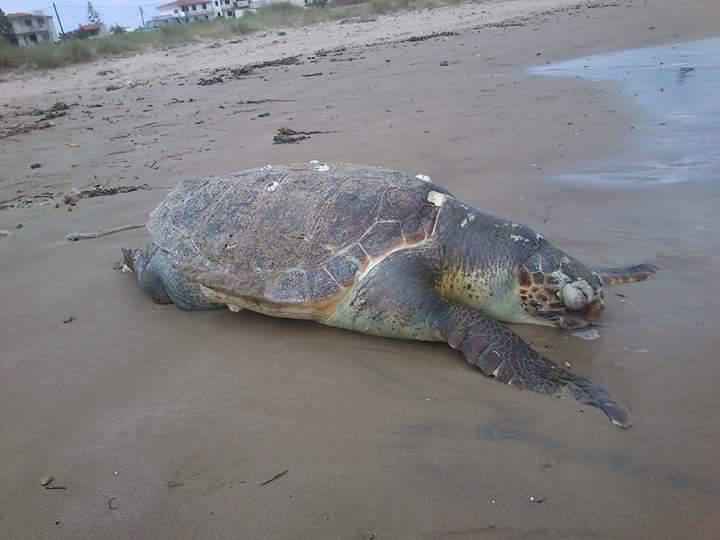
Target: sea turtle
[380,252]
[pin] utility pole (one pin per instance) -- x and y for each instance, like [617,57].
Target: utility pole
[58,18]
[142,16]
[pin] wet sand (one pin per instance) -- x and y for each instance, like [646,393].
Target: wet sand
[163,424]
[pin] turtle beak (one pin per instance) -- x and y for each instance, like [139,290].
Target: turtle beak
[594,310]
[581,318]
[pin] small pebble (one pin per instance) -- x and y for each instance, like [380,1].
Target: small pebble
[45,480]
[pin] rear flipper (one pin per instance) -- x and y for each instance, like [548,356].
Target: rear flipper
[498,352]
[162,282]
[626,274]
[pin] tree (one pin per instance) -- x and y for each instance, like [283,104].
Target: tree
[7,32]
[93,15]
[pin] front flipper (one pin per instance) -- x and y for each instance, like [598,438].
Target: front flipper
[498,352]
[626,274]
[397,299]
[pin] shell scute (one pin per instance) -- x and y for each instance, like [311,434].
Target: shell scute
[343,269]
[381,238]
[321,286]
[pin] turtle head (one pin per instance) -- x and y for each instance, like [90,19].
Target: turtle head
[557,290]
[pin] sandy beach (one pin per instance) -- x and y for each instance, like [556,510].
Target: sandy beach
[165,424]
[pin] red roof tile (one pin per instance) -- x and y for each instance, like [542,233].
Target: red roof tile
[90,26]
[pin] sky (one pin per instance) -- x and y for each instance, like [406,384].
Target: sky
[74,12]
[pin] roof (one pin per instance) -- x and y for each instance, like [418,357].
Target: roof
[179,3]
[90,26]
[21,14]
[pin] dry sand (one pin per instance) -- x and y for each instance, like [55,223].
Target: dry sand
[162,424]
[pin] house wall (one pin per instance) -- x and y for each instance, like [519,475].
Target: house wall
[203,11]
[34,29]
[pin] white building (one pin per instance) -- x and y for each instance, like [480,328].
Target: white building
[33,28]
[200,10]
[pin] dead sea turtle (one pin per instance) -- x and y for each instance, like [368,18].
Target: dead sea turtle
[380,252]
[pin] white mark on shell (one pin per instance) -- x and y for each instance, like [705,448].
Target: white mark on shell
[322,168]
[314,162]
[463,223]
[126,269]
[234,308]
[272,187]
[518,238]
[471,217]
[436,198]
[423,177]
[539,237]
[266,168]
[515,225]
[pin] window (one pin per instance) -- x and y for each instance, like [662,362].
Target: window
[217,3]
[230,13]
[28,23]
[194,7]
[204,6]
[227,2]
[33,38]
[175,11]
[184,8]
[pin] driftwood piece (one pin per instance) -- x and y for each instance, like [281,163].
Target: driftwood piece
[74,237]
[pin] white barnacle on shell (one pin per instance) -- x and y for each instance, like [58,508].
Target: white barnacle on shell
[266,168]
[322,168]
[539,237]
[436,198]
[463,223]
[272,186]
[471,217]
[314,162]
[519,238]
[423,177]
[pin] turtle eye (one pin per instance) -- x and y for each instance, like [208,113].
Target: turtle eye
[577,295]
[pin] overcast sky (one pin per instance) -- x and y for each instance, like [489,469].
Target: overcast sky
[74,12]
